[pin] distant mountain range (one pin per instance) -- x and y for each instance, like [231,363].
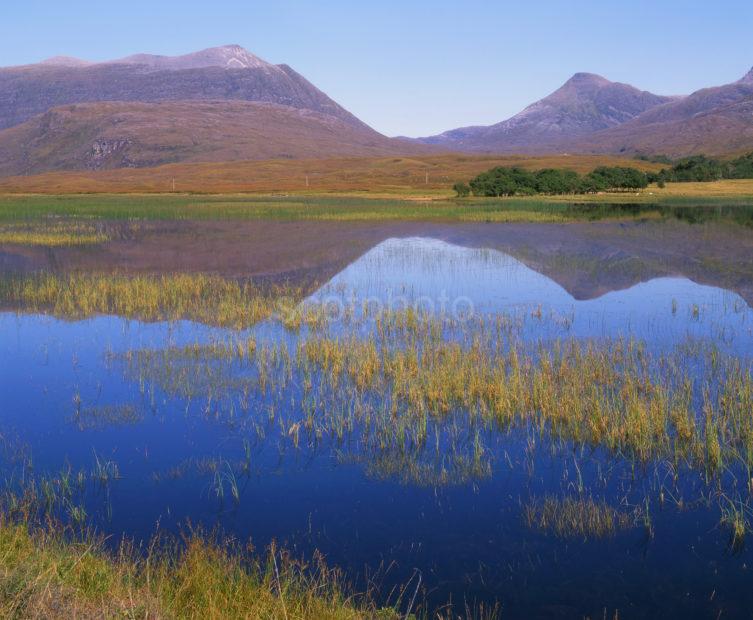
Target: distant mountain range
[226,104]
[590,114]
[144,110]
[584,105]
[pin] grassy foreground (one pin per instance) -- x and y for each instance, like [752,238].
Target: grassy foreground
[43,575]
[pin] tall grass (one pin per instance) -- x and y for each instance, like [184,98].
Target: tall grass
[407,379]
[204,298]
[45,573]
[52,234]
[576,517]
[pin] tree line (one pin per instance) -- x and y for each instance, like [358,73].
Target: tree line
[515,181]
[701,168]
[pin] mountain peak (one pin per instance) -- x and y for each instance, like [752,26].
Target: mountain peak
[583,105]
[225,56]
[588,78]
[747,78]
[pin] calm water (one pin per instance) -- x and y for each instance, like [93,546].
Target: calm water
[74,399]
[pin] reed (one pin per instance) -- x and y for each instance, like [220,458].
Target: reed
[46,573]
[86,418]
[581,517]
[413,378]
[204,298]
[736,518]
[52,233]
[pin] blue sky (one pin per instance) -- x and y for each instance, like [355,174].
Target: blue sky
[414,68]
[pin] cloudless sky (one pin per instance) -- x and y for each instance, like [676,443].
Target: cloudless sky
[407,67]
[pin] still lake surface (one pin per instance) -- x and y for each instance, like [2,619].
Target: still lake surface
[77,395]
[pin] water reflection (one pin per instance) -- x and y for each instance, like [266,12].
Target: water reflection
[440,278]
[387,439]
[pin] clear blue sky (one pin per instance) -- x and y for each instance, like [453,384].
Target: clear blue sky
[413,68]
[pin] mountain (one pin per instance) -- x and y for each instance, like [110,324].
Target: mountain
[585,104]
[715,121]
[721,131]
[218,104]
[98,136]
[700,102]
[590,114]
[222,73]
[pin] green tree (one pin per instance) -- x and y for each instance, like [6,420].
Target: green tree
[741,168]
[504,181]
[695,168]
[462,190]
[554,181]
[619,178]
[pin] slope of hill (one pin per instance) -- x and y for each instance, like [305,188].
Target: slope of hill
[95,136]
[585,104]
[724,130]
[700,102]
[715,121]
[224,73]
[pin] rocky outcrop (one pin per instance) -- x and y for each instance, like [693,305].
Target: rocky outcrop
[109,153]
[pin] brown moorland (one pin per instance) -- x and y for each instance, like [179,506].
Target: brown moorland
[410,175]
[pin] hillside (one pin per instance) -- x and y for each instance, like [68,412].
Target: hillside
[217,104]
[585,104]
[715,121]
[224,73]
[721,131]
[98,136]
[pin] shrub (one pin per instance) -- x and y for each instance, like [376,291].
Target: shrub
[462,189]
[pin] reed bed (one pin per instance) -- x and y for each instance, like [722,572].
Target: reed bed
[417,396]
[52,564]
[52,234]
[409,406]
[44,573]
[204,298]
[581,517]
[422,400]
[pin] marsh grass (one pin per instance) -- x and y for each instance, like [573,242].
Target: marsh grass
[47,573]
[102,416]
[52,233]
[736,519]
[421,401]
[52,564]
[203,298]
[581,517]
[416,399]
